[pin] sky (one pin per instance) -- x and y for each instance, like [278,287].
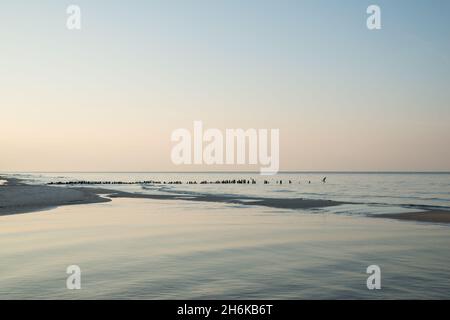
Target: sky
[107,97]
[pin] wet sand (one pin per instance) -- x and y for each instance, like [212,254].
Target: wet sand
[280,203]
[425,216]
[17,197]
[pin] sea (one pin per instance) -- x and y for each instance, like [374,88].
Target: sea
[175,249]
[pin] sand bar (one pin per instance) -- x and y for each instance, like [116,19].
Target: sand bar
[437,216]
[17,197]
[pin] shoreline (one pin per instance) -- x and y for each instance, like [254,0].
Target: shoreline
[434,216]
[17,197]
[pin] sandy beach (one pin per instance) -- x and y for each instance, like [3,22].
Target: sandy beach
[18,197]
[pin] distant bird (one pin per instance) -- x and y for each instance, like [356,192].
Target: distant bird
[324,179]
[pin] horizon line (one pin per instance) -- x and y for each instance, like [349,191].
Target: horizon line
[252,172]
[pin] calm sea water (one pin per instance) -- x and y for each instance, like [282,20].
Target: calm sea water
[151,249]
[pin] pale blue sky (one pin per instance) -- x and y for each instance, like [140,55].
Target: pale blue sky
[343,97]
